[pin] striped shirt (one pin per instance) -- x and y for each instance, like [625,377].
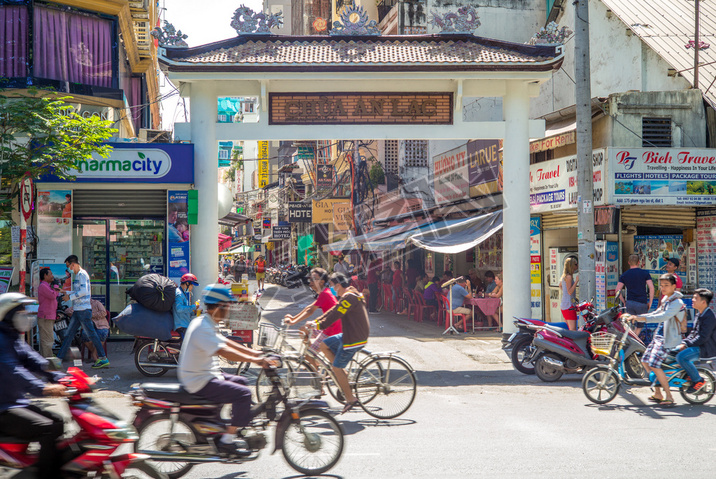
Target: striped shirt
[81,292]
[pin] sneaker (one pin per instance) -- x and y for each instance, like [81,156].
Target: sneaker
[101,363]
[237,448]
[694,388]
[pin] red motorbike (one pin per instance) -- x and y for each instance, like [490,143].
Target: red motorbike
[89,452]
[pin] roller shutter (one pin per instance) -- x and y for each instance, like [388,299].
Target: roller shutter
[552,221]
[121,203]
[669,217]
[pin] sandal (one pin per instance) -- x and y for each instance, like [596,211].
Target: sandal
[349,406]
[667,403]
[656,399]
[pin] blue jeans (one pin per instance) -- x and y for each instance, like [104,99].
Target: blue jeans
[83,318]
[685,359]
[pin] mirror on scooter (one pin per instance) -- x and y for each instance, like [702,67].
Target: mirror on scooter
[75,356]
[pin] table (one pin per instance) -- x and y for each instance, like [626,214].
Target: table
[488,306]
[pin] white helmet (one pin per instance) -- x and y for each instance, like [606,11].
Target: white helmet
[9,302]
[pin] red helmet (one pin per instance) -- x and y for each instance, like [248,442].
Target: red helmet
[190,278]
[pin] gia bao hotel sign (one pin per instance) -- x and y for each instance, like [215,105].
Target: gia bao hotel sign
[628,176]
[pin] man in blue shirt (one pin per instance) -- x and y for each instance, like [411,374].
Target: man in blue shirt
[460,291]
[636,281]
[490,284]
[80,295]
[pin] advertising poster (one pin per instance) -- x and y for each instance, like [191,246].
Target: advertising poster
[451,176]
[662,176]
[536,266]
[324,177]
[553,184]
[323,210]
[655,250]
[178,235]
[485,167]
[5,277]
[54,225]
[342,216]
[607,272]
[706,246]
[263,155]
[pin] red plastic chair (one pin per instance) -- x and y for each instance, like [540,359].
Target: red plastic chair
[456,317]
[387,297]
[421,307]
[408,301]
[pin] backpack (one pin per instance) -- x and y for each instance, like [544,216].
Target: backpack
[154,292]
[140,321]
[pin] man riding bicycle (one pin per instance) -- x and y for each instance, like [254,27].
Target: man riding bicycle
[200,373]
[340,348]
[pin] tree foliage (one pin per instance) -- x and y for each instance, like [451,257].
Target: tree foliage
[376,173]
[41,134]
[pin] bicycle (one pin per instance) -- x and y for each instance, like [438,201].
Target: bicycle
[383,383]
[602,383]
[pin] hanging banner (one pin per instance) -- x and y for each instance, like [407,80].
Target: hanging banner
[263,171]
[178,234]
[323,210]
[553,184]
[281,232]
[451,176]
[485,167]
[663,176]
[536,266]
[706,246]
[300,212]
[324,177]
[342,216]
[54,225]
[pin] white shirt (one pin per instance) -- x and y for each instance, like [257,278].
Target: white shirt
[340,267]
[198,361]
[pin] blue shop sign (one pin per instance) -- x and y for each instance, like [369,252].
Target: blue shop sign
[137,163]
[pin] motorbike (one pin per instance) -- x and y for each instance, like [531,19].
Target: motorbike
[178,430]
[89,452]
[558,351]
[300,276]
[519,345]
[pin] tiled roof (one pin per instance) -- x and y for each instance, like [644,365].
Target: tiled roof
[666,26]
[460,52]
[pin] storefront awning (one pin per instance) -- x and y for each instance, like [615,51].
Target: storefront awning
[224,242]
[458,237]
[238,250]
[397,241]
[382,233]
[233,219]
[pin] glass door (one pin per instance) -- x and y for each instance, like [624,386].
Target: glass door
[90,245]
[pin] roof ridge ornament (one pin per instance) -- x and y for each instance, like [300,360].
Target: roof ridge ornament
[169,36]
[245,20]
[464,21]
[354,21]
[551,35]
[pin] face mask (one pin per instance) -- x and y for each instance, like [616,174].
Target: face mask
[23,321]
[334,292]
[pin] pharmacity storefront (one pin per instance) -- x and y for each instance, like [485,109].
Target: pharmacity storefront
[123,216]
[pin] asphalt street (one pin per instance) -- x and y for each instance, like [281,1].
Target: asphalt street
[474,416]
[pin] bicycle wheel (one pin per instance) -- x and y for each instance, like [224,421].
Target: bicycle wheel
[705,393]
[352,370]
[313,444]
[385,387]
[600,385]
[264,385]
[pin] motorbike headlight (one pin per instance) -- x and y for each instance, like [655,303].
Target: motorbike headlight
[122,434]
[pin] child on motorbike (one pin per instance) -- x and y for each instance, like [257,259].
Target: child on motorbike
[701,342]
[667,336]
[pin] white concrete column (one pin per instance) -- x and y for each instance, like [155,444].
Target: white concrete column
[516,204]
[204,235]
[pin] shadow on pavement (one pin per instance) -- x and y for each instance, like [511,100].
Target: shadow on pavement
[505,377]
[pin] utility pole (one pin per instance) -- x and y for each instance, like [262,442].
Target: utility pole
[696,44]
[585,192]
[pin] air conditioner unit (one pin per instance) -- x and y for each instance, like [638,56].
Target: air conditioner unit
[155,136]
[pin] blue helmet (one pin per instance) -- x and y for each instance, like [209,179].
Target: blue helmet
[217,293]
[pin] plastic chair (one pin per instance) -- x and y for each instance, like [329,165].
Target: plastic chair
[408,301]
[387,297]
[456,317]
[421,307]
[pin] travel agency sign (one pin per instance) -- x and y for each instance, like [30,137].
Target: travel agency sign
[662,176]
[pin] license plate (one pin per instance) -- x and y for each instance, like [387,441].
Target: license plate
[60,325]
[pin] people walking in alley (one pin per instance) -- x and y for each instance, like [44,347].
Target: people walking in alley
[260,268]
[340,348]
[701,342]
[668,334]
[460,291]
[568,288]
[239,268]
[640,290]
[183,309]
[397,284]
[47,312]
[82,312]
[341,266]
[373,279]
[101,327]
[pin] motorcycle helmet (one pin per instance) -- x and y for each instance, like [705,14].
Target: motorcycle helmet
[217,293]
[190,278]
[12,311]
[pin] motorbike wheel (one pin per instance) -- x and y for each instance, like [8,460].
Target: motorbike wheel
[145,353]
[546,372]
[633,366]
[600,385]
[313,444]
[521,352]
[142,470]
[704,394]
[154,436]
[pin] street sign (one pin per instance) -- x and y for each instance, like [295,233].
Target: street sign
[281,232]
[324,177]
[266,224]
[26,195]
[300,212]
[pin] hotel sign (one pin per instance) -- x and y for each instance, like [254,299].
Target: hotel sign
[360,108]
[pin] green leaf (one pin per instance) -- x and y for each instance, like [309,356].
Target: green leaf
[141,155]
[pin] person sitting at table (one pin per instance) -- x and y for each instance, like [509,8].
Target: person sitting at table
[475,280]
[447,276]
[496,293]
[490,283]
[420,282]
[460,292]
[431,289]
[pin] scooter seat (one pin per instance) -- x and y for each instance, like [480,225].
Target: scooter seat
[173,393]
[576,335]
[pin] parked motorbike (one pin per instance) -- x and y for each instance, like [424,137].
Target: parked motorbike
[89,452]
[558,351]
[300,276]
[179,430]
[519,345]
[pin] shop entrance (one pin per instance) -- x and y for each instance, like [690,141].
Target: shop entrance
[115,252]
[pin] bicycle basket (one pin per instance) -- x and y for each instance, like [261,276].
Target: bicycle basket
[304,384]
[602,343]
[268,333]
